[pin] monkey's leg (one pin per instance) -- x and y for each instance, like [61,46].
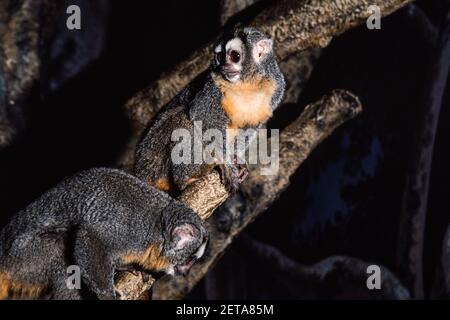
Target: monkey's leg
[96,264]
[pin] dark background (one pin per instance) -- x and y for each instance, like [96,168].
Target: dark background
[345,199]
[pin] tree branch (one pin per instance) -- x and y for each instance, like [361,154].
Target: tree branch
[24,37]
[259,192]
[331,278]
[229,8]
[293,24]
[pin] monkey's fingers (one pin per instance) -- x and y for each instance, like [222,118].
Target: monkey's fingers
[242,172]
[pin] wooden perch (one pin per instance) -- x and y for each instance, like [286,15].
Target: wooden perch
[317,121]
[316,281]
[229,8]
[206,195]
[24,39]
[259,192]
[294,25]
[132,286]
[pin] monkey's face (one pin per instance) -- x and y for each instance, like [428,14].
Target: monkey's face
[241,55]
[187,244]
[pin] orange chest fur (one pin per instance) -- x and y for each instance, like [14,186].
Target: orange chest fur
[247,103]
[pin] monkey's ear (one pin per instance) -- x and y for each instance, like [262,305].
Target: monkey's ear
[261,49]
[183,235]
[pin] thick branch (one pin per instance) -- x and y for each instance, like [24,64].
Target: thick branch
[131,286]
[206,195]
[296,143]
[294,25]
[229,8]
[24,38]
[319,280]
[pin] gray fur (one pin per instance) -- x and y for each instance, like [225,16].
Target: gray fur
[91,220]
[201,101]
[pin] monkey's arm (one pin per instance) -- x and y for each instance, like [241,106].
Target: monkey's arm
[96,263]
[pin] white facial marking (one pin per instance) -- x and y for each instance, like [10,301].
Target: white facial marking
[234,44]
[218,49]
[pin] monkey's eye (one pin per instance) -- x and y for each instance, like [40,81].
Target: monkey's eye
[235,56]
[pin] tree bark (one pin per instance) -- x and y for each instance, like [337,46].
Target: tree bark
[332,278]
[258,192]
[23,38]
[229,8]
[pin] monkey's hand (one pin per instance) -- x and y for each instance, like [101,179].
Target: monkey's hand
[233,175]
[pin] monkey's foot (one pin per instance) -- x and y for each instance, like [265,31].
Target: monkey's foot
[242,172]
[232,176]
